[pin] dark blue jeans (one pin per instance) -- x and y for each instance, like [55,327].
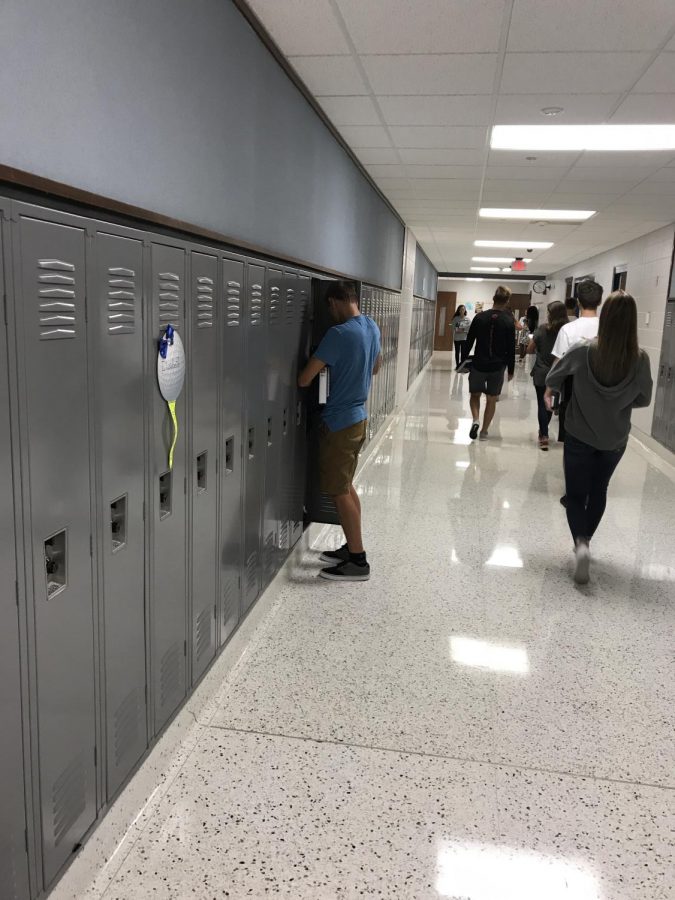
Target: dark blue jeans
[543,414]
[587,475]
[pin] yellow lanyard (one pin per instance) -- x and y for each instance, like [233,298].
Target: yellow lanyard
[172,409]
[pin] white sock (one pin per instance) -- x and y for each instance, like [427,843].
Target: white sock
[476,422]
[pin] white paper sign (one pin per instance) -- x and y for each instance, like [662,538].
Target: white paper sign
[171,366]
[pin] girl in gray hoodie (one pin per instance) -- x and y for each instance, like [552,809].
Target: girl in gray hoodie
[611,376]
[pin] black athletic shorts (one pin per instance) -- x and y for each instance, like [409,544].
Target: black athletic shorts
[490,383]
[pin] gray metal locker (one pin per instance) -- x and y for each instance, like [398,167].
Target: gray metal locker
[289,375]
[231,343]
[203,353]
[168,606]
[255,432]
[276,401]
[117,316]
[51,316]
[13,844]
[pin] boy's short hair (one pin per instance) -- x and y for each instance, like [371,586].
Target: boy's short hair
[589,294]
[343,291]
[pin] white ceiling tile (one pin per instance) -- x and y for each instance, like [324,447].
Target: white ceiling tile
[386,171]
[596,186]
[329,75]
[612,25]
[423,26]
[542,158]
[655,188]
[443,157]
[520,184]
[444,171]
[350,110]
[437,110]
[358,136]
[301,26]
[435,137]
[665,174]
[627,174]
[458,73]
[647,160]
[659,77]
[523,173]
[377,156]
[641,109]
[579,109]
[576,73]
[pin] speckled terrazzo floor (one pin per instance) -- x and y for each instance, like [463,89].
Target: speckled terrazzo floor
[467,725]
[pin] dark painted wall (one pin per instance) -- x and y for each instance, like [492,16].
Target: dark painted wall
[426,276]
[176,106]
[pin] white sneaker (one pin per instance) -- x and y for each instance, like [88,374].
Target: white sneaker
[483,436]
[582,555]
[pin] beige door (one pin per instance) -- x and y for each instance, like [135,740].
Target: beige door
[445,310]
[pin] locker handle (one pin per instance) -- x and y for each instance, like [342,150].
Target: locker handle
[251,443]
[229,455]
[284,430]
[202,468]
[56,568]
[165,489]
[118,523]
[269,431]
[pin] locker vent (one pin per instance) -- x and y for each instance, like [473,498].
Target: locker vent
[289,308]
[233,303]
[230,598]
[170,674]
[56,303]
[68,798]
[256,312]
[8,867]
[169,297]
[284,543]
[302,306]
[270,549]
[275,305]
[126,728]
[121,301]
[251,574]
[669,316]
[205,302]
[203,632]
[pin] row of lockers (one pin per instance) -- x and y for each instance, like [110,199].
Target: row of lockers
[421,336]
[663,428]
[121,577]
[385,307]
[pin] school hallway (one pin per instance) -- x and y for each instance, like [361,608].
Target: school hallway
[468,724]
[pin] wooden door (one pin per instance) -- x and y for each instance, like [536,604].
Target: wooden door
[445,310]
[520,303]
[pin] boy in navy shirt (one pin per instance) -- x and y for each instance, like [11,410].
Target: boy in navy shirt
[351,350]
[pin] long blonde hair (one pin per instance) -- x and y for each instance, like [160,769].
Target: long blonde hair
[616,352]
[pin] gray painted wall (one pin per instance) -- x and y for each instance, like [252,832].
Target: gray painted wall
[426,276]
[177,107]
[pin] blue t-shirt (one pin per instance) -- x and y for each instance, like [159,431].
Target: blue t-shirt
[350,350]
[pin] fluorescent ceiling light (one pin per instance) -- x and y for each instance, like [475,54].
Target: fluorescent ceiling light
[474,279]
[486,655]
[506,269]
[499,259]
[485,268]
[583,137]
[539,215]
[530,245]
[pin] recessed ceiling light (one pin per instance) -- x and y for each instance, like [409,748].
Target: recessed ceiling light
[583,137]
[474,279]
[499,259]
[552,110]
[531,245]
[540,215]
[485,268]
[507,269]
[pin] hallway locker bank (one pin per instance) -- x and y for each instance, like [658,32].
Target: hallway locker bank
[122,575]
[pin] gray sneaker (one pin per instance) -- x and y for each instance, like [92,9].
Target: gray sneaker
[483,436]
[346,571]
[335,556]
[582,562]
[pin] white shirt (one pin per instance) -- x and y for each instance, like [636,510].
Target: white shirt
[584,328]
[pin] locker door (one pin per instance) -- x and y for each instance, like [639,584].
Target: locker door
[13,858]
[118,325]
[168,610]
[300,448]
[50,264]
[232,459]
[275,400]
[669,393]
[255,432]
[203,361]
[291,346]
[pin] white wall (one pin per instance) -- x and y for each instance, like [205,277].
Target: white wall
[483,291]
[648,260]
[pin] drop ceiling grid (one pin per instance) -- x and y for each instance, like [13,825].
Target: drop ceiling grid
[410,86]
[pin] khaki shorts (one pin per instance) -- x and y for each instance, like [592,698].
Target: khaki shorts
[338,457]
